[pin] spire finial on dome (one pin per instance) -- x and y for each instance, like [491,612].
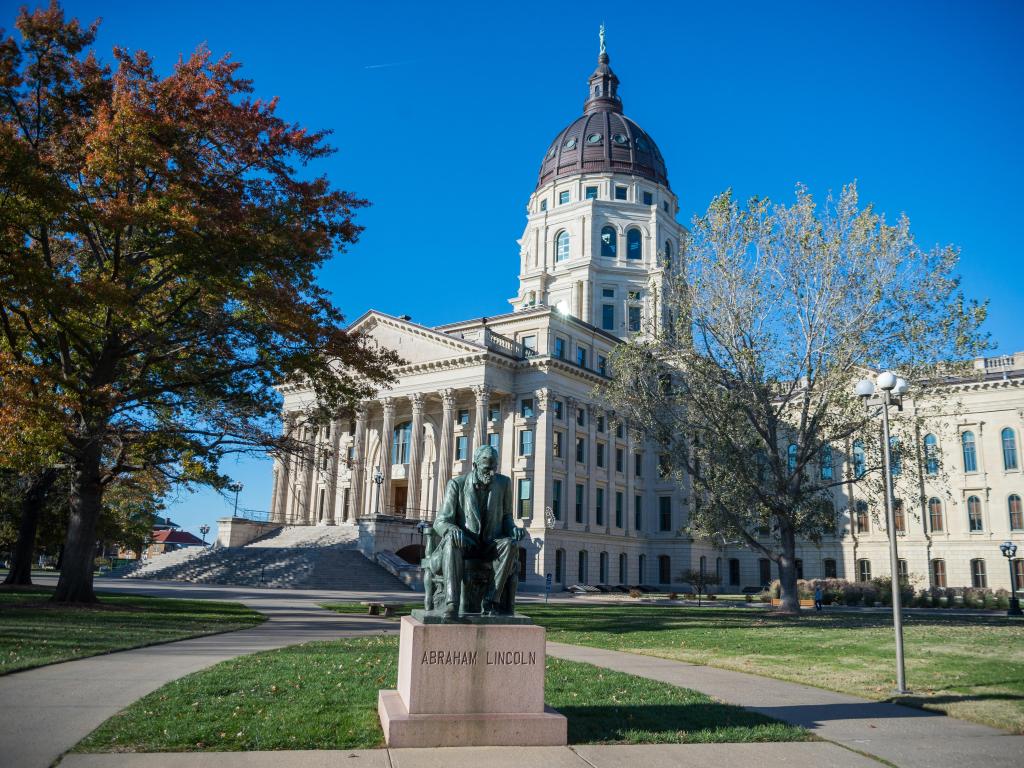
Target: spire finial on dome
[600,35]
[603,84]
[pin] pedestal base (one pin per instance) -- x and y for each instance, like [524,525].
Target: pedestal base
[401,729]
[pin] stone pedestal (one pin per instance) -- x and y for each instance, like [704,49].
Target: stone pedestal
[469,685]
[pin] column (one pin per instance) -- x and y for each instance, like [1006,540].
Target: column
[308,511]
[332,479]
[592,414]
[542,458]
[444,449]
[629,467]
[386,436]
[483,399]
[415,454]
[569,452]
[358,462]
[284,462]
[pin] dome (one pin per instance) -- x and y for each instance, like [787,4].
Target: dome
[603,139]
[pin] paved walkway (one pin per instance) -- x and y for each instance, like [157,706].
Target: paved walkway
[904,736]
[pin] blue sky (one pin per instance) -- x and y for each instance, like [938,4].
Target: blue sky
[442,112]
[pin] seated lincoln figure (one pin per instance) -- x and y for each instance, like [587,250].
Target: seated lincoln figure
[472,551]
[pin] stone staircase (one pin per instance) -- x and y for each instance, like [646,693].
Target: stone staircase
[306,557]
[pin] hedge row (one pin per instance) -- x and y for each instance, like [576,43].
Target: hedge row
[843,592]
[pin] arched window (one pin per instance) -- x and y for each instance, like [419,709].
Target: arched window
[582,569]
[859,465]
[935,521]
[703,565]
[1009,449]
[978,576]
[609,240]
[634,244]
[562,246]
[664,569]
[826,462]
[622,568]
[863,570]
[641,569]
[895,456]
[974,514]
[400,443]
[669,253]
[899,518]
[938,573]
[970,455]
[1016,515]
[931,454]
[604,568]
[861,523]
[791,458]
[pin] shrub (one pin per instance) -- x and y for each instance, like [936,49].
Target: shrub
[943,602]
[635,593]
[711,597]
[853,594]
[673,596]
[990,600]
[775,590]
[764,596]
[749,598]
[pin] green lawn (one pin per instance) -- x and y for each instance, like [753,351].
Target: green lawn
[969,667]
[34,632]
[358,608]
[324,696]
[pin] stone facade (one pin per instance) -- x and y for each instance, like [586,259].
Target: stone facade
[600,235]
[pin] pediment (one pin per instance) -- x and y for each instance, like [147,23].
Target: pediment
[416,344]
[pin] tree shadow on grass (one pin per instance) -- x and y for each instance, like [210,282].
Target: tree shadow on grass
[673,723]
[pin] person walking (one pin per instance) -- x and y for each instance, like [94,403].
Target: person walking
[818,595]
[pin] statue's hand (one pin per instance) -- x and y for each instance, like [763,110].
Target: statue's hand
[457,538]
[517,533]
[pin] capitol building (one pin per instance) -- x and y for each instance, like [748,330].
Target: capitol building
[601,236]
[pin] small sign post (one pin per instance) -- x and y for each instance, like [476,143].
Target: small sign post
[547,588]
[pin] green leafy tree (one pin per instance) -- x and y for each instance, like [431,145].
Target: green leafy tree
[158,253]
[749,384]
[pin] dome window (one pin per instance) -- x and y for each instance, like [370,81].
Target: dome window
[571,143]
[640,143]
[634,244]
[620,138]
[562,246]
[608,239]
[594,138]
[551,153]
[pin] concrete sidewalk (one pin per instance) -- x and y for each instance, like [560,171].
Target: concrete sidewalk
[46,711]
[904,736]
[791,755]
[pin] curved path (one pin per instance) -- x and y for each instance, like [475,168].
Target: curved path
[46,711]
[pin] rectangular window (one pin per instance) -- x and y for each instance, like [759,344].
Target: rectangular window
[494,440]
[556,500]
[638,465]
[581,450]
[556,444]
[543,205]
[526,408]
[461,447]
[608,317]
[558,409]
[600,454]
[620,431]
[734,572]
[830,568]
[579,503]
[600,424]
[320,504]
[525,497]
[664,205]
[634,319]
[602,365]
[938,573]
[664,569]
[903,570]
[591,193]
[648,198]
[463,416]
[618,509]
[599,507]
[978,577]
[638,513]
[563,197]
[764,571]
[863,570]
[581,357]
[351,453]
[559,348]
[530,343]
[799,568]
[345,504]
[620,193]
[619,459]
[581,417]
[900,518]
[526,442]
[664,466]
[608,293]
[665,513]
[494,413]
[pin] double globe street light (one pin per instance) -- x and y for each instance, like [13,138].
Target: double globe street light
[893,388]
[1009,550]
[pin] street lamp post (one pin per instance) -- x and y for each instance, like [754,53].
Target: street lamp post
[1009,550]
[237,488]
[204,529]
[423,526]
[378,478]
[891,385]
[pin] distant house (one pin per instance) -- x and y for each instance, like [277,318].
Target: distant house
[168,540]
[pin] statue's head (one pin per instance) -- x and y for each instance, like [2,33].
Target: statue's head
[485,464]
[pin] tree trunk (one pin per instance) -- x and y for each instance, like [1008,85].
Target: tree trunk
[787,570]
[31,510]
[78,556]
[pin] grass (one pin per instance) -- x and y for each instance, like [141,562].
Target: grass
[970,667]
[324,696]
[403,609]
[34,632]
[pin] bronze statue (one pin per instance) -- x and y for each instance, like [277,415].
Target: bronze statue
[471,552]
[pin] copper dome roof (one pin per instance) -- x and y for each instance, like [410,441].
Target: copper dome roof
[603,139]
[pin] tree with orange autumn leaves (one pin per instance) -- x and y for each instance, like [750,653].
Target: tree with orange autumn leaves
[158,252]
